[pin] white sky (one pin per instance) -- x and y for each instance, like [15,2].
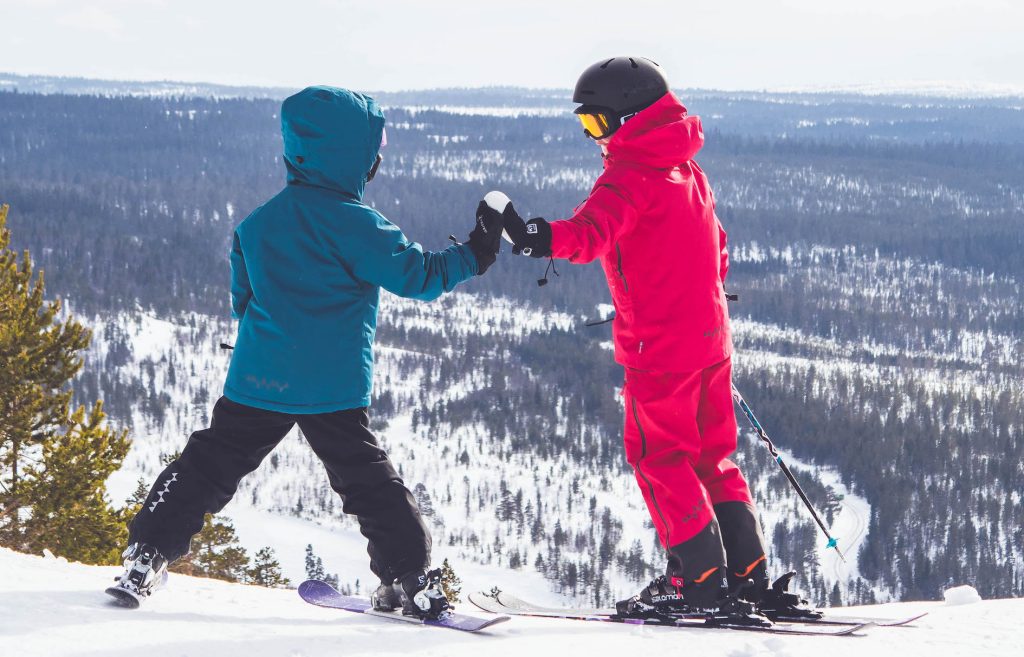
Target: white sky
[401,44]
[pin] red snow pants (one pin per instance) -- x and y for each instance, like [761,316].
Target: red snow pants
[680,431]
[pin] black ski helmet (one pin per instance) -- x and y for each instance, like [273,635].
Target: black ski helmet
[621,84]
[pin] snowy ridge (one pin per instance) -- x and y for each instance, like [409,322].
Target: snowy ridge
[51,607]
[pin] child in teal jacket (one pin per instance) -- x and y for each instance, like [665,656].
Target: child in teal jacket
[307,267]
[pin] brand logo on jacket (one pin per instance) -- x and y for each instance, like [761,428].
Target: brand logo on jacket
[694,512]
[267,384]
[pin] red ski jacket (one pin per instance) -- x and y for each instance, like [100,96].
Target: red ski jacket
[651,220]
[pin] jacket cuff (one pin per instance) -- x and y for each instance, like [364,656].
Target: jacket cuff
[561,240]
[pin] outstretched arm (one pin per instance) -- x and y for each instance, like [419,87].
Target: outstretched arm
[590,233]
[387,258]
[595,227]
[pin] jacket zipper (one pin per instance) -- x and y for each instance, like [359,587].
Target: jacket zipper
[618,252]
[643,453]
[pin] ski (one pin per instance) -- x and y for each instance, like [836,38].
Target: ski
[489,604]
[323,594]
[513,603]
[832,619]
[123,597]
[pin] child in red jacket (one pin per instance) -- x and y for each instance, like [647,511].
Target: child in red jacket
[651,221]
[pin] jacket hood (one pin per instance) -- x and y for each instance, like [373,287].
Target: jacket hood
[331,138]
[661,136]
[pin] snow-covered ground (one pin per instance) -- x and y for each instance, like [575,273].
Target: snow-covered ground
[51,608]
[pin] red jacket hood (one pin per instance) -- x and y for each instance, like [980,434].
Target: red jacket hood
[661,136]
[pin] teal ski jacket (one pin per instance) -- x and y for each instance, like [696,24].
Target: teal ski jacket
[307,266]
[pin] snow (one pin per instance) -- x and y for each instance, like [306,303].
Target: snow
[49,607]
[961,595]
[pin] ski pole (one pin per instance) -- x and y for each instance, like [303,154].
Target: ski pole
[763,435]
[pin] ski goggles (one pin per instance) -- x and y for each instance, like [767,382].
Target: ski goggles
[600,122]
[597,123]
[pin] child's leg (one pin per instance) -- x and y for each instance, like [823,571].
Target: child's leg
[662,444]
[204,478]
[370,488]
[734,507]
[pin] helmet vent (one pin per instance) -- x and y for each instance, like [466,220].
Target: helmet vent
[633,62]
[605,65]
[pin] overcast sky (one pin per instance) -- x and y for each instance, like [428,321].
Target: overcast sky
[399,44]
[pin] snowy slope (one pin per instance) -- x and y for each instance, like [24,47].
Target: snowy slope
[52,608]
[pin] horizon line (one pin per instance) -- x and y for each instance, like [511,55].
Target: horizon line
[919,88]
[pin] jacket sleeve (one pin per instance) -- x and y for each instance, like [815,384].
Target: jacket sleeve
[241,289]
[723,268]
[595,227]
[387,259]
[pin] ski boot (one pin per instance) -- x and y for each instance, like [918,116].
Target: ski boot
[145,571]
[777,603]
[666,598]
[422,595]
[387,597]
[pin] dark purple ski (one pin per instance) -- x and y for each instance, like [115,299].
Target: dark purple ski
[323,594]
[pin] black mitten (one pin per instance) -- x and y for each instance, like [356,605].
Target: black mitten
[485,238]
[531,238]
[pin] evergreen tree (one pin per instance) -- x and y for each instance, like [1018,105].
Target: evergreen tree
[314,565]
[450,582]
[836,597]
[70,512]
[315,568]
[266,571]
[53,463]
[215,553]
[137,498]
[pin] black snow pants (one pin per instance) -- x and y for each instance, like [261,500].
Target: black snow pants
[204,479]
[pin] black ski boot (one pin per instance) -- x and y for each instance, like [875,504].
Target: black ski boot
[422,595]
[145,571]
[777,603]
[666,598]
[387,597]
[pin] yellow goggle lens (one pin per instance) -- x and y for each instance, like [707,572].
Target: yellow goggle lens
[596,125]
